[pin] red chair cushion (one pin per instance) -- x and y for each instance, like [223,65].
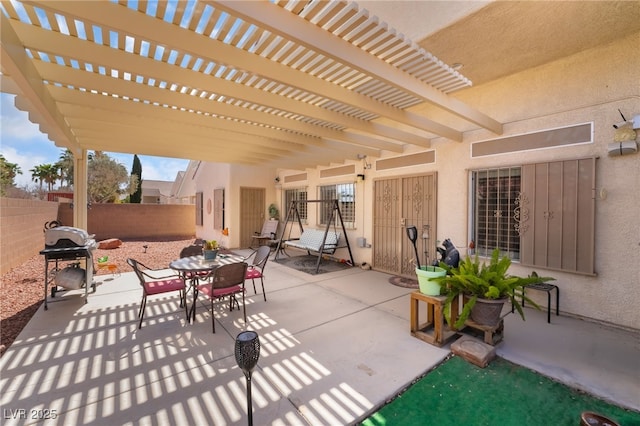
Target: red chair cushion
[253,273]
[220,292]
[163,286]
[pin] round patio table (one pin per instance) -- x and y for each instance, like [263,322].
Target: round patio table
[196,267]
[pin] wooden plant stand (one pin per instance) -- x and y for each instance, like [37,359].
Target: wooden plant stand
[434,331]
[492,335]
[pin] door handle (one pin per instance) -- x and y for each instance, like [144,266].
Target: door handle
[403,221]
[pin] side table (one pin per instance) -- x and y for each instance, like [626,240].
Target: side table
[434,331]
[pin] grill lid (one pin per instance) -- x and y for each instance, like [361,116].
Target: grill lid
[77,236]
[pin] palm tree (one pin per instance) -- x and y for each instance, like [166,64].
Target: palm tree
[37,174]
[65,164]
[50,175]
[8,172]
[45,173]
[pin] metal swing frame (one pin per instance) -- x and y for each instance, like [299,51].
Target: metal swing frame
[294,214]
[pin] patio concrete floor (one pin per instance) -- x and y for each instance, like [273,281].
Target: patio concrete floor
[334,347]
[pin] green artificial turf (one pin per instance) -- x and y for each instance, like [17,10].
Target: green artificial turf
[459,393]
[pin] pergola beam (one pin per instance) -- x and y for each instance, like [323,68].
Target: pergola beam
[118,18]
[281,22]
[18,65]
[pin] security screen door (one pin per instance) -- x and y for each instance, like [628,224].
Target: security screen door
[400,203]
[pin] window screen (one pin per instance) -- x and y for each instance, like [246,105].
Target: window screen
[495,193]
[345,193]
[297,194]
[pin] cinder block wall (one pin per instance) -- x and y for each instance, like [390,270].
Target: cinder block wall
[21,229]
[131,221]
[22,223]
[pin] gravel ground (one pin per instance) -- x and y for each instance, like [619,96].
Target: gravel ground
[23,286]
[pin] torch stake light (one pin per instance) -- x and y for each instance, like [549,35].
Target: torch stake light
[412,234]
[247,354]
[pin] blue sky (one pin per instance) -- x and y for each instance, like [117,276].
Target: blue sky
[22,143]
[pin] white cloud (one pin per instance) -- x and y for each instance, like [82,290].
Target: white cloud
[23,144]
[26,162]
[161,168]
[16,124]
[153,168]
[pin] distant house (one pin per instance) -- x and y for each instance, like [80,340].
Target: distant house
[183,189]
[156,192]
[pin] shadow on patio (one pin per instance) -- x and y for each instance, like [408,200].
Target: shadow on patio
[335,347]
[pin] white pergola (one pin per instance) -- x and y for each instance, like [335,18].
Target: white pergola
[291,84]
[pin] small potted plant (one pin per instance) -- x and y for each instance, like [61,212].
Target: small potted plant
[210,249]
[274,213]
[484,288]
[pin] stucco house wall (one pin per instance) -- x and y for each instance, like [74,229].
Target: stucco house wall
[231,178]
[208,177]
[588,87]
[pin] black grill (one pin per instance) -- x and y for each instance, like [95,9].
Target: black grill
[65,243]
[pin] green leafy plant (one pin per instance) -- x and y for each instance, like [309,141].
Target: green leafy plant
[475,280]
[211,245]
[273,211]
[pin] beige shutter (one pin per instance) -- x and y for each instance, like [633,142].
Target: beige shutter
[199,220]
[218,208]
[557,215]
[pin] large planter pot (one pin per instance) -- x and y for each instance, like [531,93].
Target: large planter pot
[487,311]
[210,254]
[425,275]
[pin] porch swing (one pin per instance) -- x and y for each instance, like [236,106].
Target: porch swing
[324,242]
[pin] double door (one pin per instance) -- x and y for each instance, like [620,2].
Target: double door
[400,203]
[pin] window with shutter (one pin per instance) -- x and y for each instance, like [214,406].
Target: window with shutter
[541,214]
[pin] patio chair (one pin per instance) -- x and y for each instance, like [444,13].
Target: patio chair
[256,269]
[226,280]
[192,250]
[152,285]
[268,233]
[193,277]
